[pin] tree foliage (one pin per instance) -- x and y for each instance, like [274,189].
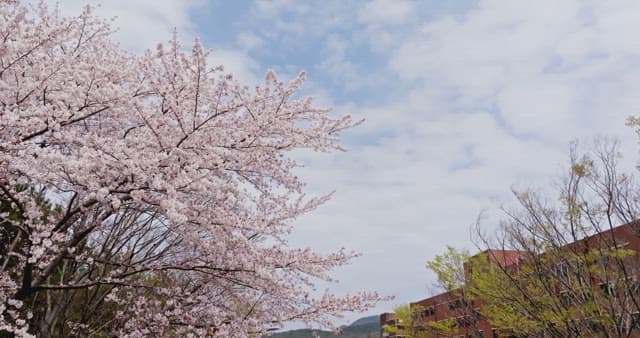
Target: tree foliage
[150,195]
[407,319]
[577,272]
[449,268]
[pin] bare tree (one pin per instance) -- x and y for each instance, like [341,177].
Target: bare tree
[578,267]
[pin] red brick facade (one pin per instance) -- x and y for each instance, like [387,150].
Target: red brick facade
[467,315]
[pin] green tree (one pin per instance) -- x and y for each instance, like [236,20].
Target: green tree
[407,320]
[576,275]
[450,268]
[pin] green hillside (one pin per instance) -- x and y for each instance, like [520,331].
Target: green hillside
[367,327]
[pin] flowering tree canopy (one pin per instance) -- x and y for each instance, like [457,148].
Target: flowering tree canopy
[153,181]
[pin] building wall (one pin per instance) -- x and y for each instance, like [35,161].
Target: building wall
[452,304]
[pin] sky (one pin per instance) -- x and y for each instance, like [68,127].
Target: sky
[462,101]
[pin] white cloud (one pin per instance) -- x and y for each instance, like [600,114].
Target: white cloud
[538,108]
[537,66]
[381,12]
[248,40]
[493,98]
[243,67]
[142,23]
[274,8]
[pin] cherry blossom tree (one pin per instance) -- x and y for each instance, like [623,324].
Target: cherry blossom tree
[151,195]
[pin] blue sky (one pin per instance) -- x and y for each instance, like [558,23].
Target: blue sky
[463,100]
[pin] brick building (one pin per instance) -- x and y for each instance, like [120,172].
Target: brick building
[467,315]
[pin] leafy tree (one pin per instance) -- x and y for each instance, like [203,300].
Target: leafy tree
[164,189]
[407,322]
[577,273]
[450,269]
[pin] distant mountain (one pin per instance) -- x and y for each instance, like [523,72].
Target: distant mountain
[366,327]
[367,320]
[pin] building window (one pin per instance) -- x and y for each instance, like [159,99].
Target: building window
[603,262]
[456,304]
[464,321]
[430,311]
[566,298]
[574,331]
[594,326]
[633,286]
[584,295]
[635,321]
[562,270]
[608,288]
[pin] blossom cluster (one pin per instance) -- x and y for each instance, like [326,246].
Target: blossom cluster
[154,182]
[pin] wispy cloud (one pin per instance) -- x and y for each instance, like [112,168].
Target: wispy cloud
[142,23]
[462,100]
[386,12]
[490,98]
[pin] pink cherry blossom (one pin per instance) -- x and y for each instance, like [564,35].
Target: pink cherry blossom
[152,190]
